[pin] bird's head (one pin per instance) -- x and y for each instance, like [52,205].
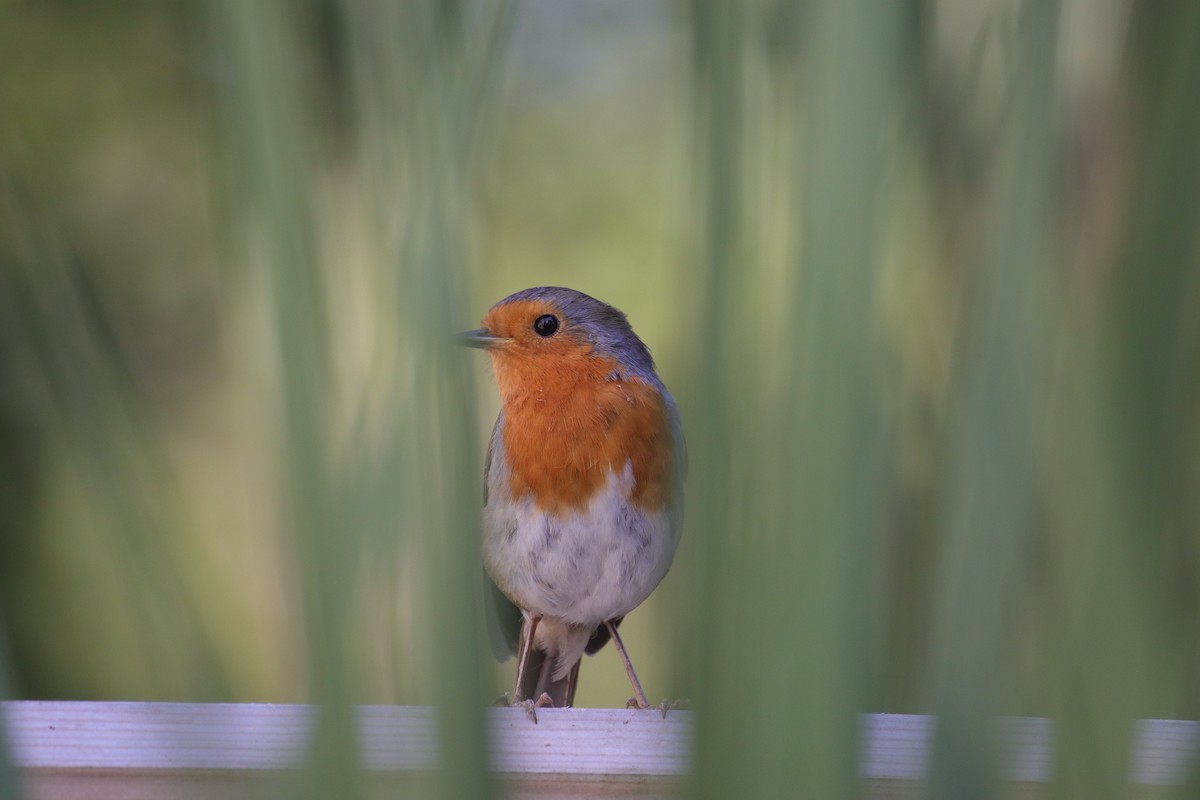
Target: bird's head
[552,331]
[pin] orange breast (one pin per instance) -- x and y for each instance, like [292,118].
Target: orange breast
[569,423]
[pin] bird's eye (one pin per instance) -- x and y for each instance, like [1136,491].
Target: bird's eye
[545,325]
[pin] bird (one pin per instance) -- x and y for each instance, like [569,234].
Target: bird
[583,496]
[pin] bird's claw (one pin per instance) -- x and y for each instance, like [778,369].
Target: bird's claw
[664,706]
[672,705]
[531,706]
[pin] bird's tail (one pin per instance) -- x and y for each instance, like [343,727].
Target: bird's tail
[539,680]
[539,672]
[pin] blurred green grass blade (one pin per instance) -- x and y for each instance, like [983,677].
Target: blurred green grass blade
[420,75]
[449,63]
[1102,629]
[10,780]
[832,443]
[994,455]
[431,282]
[789,573]
[1130,526]
[1153,317]
[718,30]
[270,151]
[96,426]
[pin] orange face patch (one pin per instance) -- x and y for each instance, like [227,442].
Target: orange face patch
[572,418]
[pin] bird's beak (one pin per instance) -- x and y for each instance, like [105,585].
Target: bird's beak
[481,338]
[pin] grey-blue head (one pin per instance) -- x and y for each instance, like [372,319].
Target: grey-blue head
[533,319]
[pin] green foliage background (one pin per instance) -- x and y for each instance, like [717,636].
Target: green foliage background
[922,276]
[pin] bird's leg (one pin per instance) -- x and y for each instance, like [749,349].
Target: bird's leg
[641,700]
[528,628]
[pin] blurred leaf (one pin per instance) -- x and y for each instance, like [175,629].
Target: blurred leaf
[994,461]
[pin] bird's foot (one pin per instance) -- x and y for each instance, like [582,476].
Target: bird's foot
[531,706]
[664,706]
[672,705]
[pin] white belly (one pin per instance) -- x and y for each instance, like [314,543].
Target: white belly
[582,568]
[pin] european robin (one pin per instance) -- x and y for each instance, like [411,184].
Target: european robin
[584,484]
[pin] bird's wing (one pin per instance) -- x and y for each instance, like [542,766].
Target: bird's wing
[681,455]
[503,620]
[503,617]
[487,460]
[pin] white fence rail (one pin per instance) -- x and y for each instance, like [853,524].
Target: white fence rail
[183,750]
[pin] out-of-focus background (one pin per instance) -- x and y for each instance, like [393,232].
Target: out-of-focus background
[922,276]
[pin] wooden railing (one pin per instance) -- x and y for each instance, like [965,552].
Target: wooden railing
[172,750]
